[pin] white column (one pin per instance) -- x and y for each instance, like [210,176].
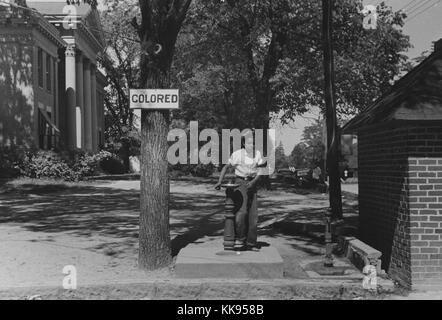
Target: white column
[80,106]
[103,119]
[70,96]
[87,105]
[94,109]
[101,112]
[56,100]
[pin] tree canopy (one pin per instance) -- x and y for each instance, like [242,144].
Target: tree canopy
[310,152]
[249,58]
[280,157]
[120,61]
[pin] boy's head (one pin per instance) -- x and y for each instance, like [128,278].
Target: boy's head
[247,142]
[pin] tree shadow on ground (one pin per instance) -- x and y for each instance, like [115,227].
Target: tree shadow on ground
[87,211]
[304,228]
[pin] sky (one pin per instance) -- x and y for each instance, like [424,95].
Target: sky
[423,29]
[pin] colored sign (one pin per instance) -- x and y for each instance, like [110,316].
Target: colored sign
[153,98]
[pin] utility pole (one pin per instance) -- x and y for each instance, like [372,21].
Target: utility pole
[332,155]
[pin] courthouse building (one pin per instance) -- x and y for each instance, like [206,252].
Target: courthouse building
[51,92]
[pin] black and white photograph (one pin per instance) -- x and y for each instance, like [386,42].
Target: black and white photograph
[218,154]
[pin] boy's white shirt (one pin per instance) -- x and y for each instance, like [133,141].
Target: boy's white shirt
[244,165]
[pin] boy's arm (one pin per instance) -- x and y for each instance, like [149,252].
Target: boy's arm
[221,176]
[261,163]
[254,181]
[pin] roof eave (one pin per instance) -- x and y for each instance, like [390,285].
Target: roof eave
[398,89]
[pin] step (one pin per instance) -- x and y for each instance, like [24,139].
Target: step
[210,260]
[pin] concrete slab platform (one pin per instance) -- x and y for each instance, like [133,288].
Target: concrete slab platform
[209,260]
[312,268]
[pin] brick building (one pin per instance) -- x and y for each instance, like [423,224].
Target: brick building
[400,175]
[51,92]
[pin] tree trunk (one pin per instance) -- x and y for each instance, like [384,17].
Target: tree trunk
[154,238]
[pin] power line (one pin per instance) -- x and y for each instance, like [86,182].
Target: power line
[417,5]
[381,2]
[417,13]
[406,6]
[422,11]
[416,9]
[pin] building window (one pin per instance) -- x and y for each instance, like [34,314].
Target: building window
[100,139]
[48,73]
[48,131]
[40,67]
[54,77]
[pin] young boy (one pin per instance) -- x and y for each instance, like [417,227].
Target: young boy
[246,165]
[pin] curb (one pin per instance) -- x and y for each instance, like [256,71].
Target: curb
[129,176]
[201,289]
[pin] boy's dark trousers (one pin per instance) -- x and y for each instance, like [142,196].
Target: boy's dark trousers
[246,213]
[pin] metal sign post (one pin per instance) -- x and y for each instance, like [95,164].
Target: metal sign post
[330,106]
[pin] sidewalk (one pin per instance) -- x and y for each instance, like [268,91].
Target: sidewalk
[351,188]
[94,226]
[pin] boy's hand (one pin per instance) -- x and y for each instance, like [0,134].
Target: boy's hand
[218,186]
[251,184]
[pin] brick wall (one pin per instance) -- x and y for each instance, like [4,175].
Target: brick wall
[400,198]
[425,199]
[383,196]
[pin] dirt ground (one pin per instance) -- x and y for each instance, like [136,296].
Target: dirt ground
[93,226]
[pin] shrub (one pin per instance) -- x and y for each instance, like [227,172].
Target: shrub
[86,165]
[10,159]
[68,165]
[174,174]
[196,170]
[180,169]
[47,164]
[202,170]
[110,163]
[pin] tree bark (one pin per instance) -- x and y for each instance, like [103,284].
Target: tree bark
[154,237]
